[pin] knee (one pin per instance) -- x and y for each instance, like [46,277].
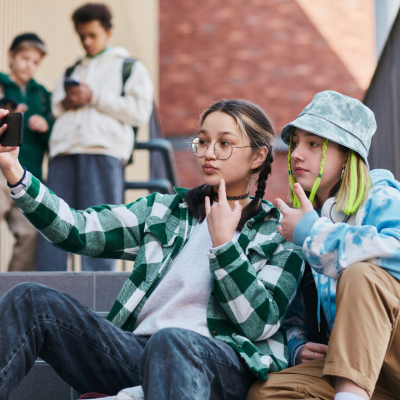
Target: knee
[168,343]
[358,279]
[356,273]
[269,389]
[27,293]
[168,338]
[22,289]
[256,391]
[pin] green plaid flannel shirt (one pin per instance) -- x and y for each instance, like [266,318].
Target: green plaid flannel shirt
[254,277]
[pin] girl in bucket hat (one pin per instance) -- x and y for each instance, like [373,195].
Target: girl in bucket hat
[347,220]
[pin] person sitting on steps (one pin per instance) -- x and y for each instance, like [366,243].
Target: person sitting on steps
[200,316]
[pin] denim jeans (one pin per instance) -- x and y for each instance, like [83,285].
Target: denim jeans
[93,355]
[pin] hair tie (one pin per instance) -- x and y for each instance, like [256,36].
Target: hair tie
[260,193]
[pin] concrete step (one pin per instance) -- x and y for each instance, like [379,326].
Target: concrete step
[96,290]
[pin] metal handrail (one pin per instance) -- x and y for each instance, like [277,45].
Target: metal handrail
[164,186]
[164,146]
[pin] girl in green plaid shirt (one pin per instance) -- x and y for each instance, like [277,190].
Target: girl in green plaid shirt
[200,316]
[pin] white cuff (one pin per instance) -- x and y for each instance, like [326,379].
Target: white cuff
[20,187]
[295,353]
[214,249]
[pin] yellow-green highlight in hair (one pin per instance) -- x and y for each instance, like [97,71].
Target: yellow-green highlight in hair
[321,171]
[355,185]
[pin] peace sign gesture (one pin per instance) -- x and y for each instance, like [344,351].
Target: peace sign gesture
[222,220]
[292,216]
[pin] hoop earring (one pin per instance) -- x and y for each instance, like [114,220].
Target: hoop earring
[341,176]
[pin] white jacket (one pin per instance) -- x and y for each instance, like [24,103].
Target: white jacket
[105,125]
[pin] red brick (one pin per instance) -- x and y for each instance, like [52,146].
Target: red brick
[267,51]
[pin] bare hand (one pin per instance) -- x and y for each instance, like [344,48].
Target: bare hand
[311,351]
[37,123]
[221,219]
[21,107]
[292,216]
[78,96]
[67,105]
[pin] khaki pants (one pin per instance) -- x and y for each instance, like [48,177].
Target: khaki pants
[364,345]
[24,252]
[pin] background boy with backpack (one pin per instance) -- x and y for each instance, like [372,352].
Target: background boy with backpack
[19,92]
[93,137]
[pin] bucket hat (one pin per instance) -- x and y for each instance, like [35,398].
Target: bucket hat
[338,118]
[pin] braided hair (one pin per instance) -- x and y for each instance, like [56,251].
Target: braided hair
[253,122]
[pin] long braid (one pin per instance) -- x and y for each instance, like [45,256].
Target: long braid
[321,171]
[255,207]
[265,171]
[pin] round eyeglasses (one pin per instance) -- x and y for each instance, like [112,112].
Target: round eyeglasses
[222,148]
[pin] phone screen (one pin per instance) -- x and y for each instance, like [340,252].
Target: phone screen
[13,134]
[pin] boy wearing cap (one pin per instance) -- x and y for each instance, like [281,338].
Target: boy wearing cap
[343,326]
[19,92]
[92,137]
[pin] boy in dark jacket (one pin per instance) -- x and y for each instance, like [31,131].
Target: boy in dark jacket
[19,92]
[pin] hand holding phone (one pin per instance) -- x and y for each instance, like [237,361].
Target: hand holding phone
[9,164]
[12,136]
[77,96]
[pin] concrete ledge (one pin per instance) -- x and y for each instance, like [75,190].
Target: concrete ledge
[42,383]
[96,290]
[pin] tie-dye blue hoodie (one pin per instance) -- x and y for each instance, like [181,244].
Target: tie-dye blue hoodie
[372,235]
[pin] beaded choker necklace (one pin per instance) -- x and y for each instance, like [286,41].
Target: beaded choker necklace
[232,198]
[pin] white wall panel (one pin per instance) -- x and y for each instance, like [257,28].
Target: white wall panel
[135,28]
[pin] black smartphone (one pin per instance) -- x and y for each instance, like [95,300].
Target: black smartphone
[71,82]
[13,134]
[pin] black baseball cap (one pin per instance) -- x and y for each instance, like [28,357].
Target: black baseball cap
[29,37]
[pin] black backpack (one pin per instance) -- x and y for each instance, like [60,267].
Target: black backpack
[126,73]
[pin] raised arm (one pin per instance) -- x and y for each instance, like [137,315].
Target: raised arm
[105,231]
[255,293]
[330,248]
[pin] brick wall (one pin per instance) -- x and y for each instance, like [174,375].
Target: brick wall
[267,51]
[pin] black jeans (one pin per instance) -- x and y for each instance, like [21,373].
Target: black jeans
[93,355]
